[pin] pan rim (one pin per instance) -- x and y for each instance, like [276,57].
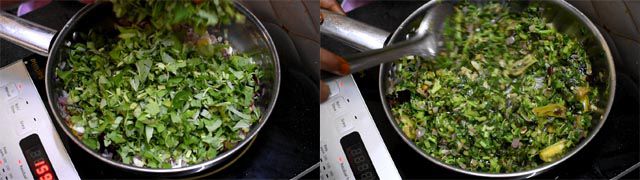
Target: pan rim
[194,168]
[527,173]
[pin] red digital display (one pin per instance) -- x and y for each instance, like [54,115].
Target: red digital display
[37,158]
[43,171]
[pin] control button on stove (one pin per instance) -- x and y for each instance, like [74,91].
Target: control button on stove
[19,87]
[325,147]
[18,106]
[338,105]
[24,125]
[9,91]
[344,124]
[333,87]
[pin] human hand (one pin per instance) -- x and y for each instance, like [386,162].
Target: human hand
[329,61]
[332,63]
[331,5]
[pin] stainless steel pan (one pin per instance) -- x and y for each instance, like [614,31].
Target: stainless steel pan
[566,18]
[250,36]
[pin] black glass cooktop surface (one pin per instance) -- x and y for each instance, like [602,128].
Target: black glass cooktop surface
[614,152]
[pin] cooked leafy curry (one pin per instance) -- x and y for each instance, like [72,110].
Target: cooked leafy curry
[163,92]
[507,93]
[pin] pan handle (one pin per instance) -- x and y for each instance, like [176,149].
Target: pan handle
[351,32]
[29,35]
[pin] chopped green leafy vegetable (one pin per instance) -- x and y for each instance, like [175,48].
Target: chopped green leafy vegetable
[166,14]
[507,93]
[148,94]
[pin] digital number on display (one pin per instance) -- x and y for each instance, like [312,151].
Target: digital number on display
[358,158]
[37,158]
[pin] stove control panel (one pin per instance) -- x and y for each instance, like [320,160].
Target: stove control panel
[350,144]
[30,147]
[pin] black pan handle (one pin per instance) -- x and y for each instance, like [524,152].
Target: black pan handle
[26,34]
